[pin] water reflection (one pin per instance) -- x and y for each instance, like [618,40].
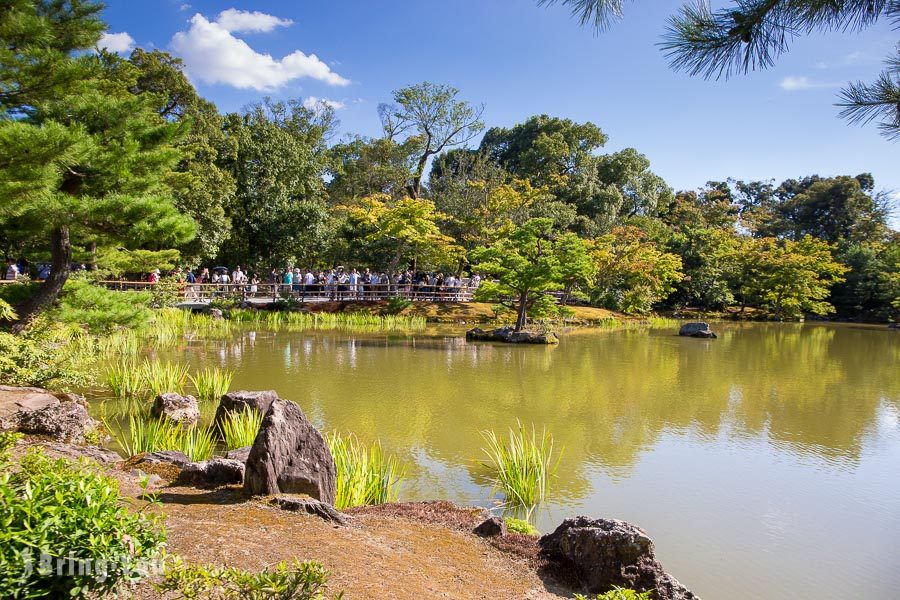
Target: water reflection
[760,437]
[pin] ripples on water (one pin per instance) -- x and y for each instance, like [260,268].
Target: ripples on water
[765,464]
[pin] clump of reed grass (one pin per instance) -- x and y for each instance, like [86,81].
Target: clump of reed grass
[162,377]
[211,383]
[522,465]
[124,378]
[153,435]
[239,428]
[365,474]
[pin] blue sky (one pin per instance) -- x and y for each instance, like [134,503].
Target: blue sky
[519,60]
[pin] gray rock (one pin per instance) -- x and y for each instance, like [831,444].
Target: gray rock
[491,527]
[603,553]
[64,422]
[162,457]
[510,336]
[290,456]
[697,329]
[99,455]
[177,408]
[311,507]
[215,313]
[15,401]
[215,471]
[241,454]
[238,401]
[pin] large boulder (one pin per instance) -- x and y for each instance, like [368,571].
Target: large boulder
[15,401]
[238,401]
[604,553]
[215,471]
[177,408]
[511,336]
[697,330]
[64,422]
[290,456]
[240,454]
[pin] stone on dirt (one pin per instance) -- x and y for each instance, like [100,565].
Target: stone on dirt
[491,527]
[215,471]
[64,422]
[604,553]
[309,506]
[289,456]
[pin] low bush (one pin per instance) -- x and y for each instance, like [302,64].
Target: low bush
[44,356]
[65,532]
[297,581]
[520,526]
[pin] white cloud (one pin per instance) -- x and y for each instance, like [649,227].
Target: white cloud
[237,21]
[116,42]
[184,7]
[212,54]
[794,83]
[312,102]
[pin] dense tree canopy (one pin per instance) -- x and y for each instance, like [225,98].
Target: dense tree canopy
[120,164]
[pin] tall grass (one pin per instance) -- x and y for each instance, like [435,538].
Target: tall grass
[365,474]
[153,435]
[239,429]
[521,466]
[162,377]
[124,378]
[212,383]
[351,321]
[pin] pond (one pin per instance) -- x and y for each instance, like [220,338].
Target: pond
[764,464]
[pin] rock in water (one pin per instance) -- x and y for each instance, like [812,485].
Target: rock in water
[511,336]
[238,401]
[290,456]
[697,330]
[603,553]
[177,408]
[65,422]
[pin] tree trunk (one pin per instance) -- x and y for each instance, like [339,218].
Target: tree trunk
[521,318]
[92,256]
[47,292]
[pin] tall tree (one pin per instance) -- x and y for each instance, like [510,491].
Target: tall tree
[203,188]
[84,159]
[526,262]
[280,212]
[432,115]
[752,34]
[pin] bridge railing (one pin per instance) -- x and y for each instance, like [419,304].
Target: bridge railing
[205,292]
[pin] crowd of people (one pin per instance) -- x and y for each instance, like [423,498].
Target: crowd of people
[336,284]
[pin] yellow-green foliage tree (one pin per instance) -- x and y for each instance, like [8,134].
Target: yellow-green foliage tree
[409,226]
[790,278]
[632,273]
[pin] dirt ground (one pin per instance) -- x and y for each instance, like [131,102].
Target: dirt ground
[401,551]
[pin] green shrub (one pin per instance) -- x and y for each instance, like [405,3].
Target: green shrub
[297,581]
[618,593]
[58,514]
[522,466]
[365,475]
[239,429]
[520,526]
[84,303]
[44,356]
[397,304]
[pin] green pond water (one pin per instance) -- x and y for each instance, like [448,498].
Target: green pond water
[764,464]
